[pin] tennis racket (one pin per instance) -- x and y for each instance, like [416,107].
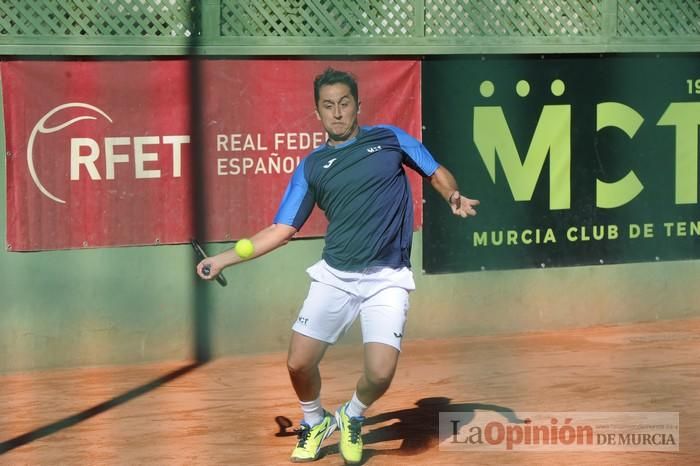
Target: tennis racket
[206,270]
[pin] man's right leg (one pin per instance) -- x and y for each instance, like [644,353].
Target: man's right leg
[326,314]
[305,354]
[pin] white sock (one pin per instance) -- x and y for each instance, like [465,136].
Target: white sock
[313,411]
[355,407]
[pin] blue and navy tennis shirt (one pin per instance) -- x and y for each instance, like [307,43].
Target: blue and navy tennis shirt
[362,188]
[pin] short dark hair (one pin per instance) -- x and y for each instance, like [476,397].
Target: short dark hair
[331,76]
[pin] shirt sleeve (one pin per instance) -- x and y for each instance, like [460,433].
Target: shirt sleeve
[298,200]
[416,155]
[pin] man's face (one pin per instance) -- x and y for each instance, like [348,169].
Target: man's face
[337,110]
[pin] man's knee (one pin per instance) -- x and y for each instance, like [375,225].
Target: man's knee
[380,364]
[300,366]
[304,354]
[379,377]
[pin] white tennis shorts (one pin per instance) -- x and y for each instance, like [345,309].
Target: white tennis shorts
[379,295]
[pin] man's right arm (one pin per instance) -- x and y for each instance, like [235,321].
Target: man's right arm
[266,240]
[295,208]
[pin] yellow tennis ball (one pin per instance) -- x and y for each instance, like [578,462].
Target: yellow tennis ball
[244,248]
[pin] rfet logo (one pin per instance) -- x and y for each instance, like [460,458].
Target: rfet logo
[97,159]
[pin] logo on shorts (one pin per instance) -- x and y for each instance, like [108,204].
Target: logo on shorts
[398,335]
[303,320]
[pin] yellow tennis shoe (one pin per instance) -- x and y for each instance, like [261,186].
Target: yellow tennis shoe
[310,439]
[350,435]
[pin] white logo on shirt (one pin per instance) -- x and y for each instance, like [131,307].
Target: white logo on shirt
[330,162]
[374,149]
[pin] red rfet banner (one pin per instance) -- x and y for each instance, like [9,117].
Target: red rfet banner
[101,153]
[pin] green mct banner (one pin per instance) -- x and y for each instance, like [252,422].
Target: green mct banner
[576,159]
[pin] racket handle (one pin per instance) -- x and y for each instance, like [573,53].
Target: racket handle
[206,270]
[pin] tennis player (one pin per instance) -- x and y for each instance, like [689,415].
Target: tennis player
[357,178]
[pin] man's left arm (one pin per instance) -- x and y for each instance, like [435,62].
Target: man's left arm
[420,159]
[445,184]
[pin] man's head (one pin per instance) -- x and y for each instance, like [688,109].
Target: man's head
[337,104]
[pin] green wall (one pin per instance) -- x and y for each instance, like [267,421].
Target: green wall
[136,304]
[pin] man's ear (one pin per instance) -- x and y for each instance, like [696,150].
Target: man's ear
[318,115]
[359,107]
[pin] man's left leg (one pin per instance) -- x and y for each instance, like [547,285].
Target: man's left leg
[383,317]
[380,365]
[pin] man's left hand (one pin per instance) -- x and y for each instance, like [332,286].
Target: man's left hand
[462,205]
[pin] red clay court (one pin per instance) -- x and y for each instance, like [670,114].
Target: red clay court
[224,412]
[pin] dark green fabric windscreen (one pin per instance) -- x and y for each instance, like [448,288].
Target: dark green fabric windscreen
[577,159]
